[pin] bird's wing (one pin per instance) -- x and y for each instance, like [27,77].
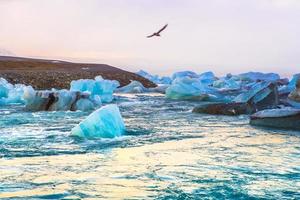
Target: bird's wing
[149,36]
[163,28]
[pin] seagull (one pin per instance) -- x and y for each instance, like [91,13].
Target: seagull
[158,32]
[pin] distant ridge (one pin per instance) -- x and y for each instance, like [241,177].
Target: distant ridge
[47,74]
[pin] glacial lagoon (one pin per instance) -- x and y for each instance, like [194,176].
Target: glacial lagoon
[167,152]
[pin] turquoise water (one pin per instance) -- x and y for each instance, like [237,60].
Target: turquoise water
[167,153]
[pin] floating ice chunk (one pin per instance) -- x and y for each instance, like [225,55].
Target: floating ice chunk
[35,101]
[282,112]
[291,86]
[64,100]
[254,76]
[4,88]
[186,88]
[11,94]
[101,87]
[287,118]
[155,78]
[207,78]
[59,100]
[161,88]
[84,104]
[227,84]
[133,87]
[260,88]
[182,74]
[106,122]
[165,80]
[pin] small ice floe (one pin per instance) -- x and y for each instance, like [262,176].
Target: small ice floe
[288,118]
[106,122]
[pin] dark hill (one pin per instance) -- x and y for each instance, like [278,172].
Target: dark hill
[47,74]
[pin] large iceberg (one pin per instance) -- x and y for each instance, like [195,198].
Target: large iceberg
[98,87]
[106,122]
[59,100]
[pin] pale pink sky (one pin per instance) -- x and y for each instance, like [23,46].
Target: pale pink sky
[218,35]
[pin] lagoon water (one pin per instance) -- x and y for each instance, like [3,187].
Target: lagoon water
[168,152]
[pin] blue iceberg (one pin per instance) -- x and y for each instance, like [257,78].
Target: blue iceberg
[255,76]
[207,78]
[291,86]
[101,87]
[11,94]
[183,74]
[155,78]
[133,87]
[186,88]
[106,122]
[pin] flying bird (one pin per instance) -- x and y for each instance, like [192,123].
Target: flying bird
[158,32]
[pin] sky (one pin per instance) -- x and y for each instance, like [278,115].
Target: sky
[216,35]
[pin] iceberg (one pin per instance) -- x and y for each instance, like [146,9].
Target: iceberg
[258,89]
[161,88]
[106,122]
[291,85]
[183,74]
[155,78]
[293,98]
[4,88]
[262,95]
[59,100]
[229,84]
[207,78]
[11,94]
[286,118]
[100,87]
[258,76]
[133,87]
[186,88]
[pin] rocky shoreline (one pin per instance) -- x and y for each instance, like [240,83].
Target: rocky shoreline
[47,74]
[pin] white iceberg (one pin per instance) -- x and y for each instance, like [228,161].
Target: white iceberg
[101,87]
[280,112]
[106,122]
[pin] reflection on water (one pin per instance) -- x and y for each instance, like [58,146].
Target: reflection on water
[167,153]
